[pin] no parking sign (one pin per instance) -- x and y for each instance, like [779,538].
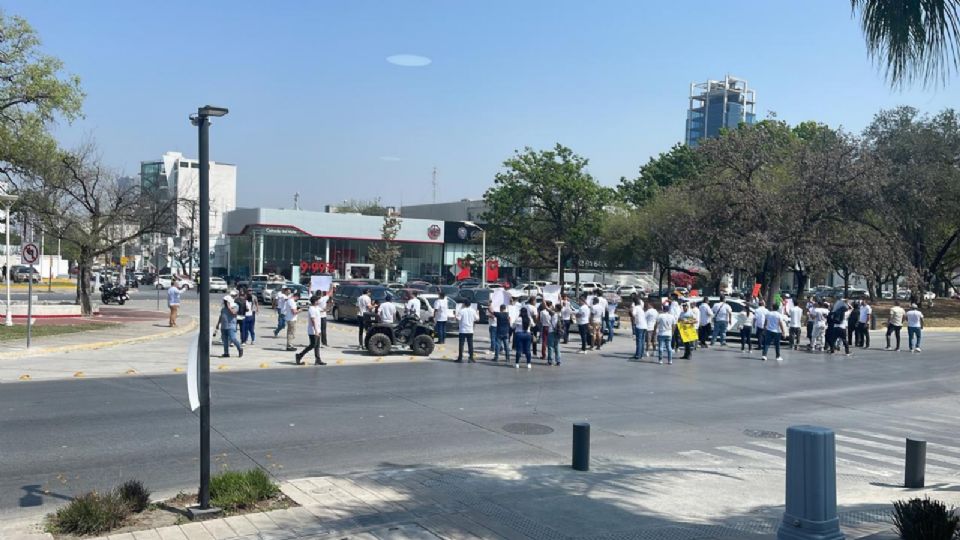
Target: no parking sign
[29,253]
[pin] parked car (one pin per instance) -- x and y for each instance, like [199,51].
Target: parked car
[627,290]
[164,280]
[345,300]
[449,290]
[591,287]
[419,285]
[267,292]
[469,283]
[22,274]
[218,284]
[478,298]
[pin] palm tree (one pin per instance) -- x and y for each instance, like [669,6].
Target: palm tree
[914,40]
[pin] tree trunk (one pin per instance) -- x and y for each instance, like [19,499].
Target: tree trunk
[576,276]
[83,277]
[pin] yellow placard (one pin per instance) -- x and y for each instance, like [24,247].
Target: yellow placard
[688,332]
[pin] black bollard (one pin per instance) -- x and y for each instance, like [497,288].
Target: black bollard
[913,476]
[581,446]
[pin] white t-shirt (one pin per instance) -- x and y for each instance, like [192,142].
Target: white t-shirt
[603,303]
[583,314]
[772,321]
[914,318]
[364,304]
[313,313]
[846,318]
[749,320]
[173,296]
[760,317]
[706,315]
[290,310]
[651,315]
[468,317]
[896,316]
[721,311]
[566,312]
[865,312]
[820,315]
[441,310]
[596,313]
[322,304]
[665,324]
[546,319]
[675,310]
[796,316]
[412,307]
[387,312]
[639,317]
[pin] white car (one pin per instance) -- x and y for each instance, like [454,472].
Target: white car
[929,295]
[426,306]
[591,287]
[163,282]
[627,290]
[217,284]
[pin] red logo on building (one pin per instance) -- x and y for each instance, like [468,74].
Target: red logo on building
[434,232]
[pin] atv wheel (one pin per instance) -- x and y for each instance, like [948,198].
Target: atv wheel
[422,345]
[379,344]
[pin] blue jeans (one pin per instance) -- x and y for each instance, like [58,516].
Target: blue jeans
[501,343]
[281,324]
[441,331]
[663,342]
[771,337]
[640,334]
[230,336]
[609,329]
[911,332]
[553,347]
[719,329]
[248,329]
[584,335]
[522,343]
[493,338]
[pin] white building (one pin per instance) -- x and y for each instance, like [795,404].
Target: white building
[175,176]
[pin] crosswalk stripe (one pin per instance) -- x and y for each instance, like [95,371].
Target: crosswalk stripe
[753,454]
[930,435]
[900,450]
[933,423]
[697,454]
[841,462]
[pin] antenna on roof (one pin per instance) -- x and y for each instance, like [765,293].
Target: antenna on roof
[296,201]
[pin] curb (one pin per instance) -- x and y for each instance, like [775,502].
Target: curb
[179,331]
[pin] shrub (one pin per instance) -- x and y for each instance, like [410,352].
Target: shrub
[134,495]
[923,519]
[234,490]
[90,513]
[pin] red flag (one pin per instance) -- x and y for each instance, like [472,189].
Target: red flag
[493,270]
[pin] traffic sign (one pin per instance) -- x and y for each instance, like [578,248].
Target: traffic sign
[29,253]
[123,261]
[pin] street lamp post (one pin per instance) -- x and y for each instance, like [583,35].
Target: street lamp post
[559,244]
[483,252]
[202,121]
[9,199]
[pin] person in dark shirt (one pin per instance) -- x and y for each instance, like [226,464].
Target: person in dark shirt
[503,334]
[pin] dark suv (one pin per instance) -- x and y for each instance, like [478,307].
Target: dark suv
[480,298]
[345,300]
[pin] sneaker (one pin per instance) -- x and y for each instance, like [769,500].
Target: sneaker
[583,352]
[917,349]
[224,356]
[472,361]
[320,363]
[764,358]
[887,349]
[660,362]
[669,362]
[848,354]
[241,353]
[911,349]
[529,366]
[635,357]
[517,365]
[291,348]
[779,359]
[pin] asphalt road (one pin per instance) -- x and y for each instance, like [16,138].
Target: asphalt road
[61,438]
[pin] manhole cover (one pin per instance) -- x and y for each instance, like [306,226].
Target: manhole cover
[523,428]
[761,434]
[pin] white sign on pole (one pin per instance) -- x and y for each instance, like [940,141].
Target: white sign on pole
[29,253]
[193,372]
[320,283]
[500,297]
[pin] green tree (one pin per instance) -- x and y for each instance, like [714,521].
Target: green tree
[912,39]
[672,167]
[33,92]
[386,254]
[541,197]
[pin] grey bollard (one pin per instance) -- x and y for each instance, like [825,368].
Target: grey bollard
[581,446]
[811,509]
[913,475]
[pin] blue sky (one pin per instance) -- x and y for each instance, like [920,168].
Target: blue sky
[316,108]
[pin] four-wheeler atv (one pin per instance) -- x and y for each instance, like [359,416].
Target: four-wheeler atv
[410,332]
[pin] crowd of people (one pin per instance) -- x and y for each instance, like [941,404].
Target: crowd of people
[536,326]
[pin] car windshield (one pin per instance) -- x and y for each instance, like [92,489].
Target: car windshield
[482,296]
[378,294]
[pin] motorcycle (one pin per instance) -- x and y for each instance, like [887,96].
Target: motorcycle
[116,293]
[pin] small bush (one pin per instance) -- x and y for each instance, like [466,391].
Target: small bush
[235,490]
[134,495]
[91,513]
[923,519]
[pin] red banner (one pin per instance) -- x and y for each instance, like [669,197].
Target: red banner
[463,270]
[756,290]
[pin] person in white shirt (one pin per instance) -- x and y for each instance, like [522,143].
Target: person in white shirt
[583,325]
[552,333]
[774,326]
[760,321]
[323,304]
[705,329]
[566,316]
[290,315]
[173,299]
[441,312]
[746,330]
[280,300]
[722,317]
[689,318]
[895,323]
[638,320]
[651,315]
[675,310]
[819,315]
[313,333]
[914,328]
[596,322]
[467,316]
[492,327]
[545,320]
[665,326]
[387,312]
[364,306]
[412,307]
[842,309]
[795,314]
[863,324]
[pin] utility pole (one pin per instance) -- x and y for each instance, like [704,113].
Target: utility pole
[193,217]
[434,185]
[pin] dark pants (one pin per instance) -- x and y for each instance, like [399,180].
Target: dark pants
[566,331]
[833,335]
[314,346]
[746,336]
[893,329]
[688,350]
[522,346]
[771,337]
[469,339]
[323,331]
[760,333]
[544,338]
[809,329]
[441,331]
[584,335]
[247,329]
[704,333]
[851,330]
[863,335]
[360,326]
[794,337]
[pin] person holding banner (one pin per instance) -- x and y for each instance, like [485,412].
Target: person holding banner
[566,316]
[313,333]
[638,321]
[322,304]
[556,326]
[687,326]
[228,323]
[583,324]
[502,342]
[665,326]
[651,315]
[441,312]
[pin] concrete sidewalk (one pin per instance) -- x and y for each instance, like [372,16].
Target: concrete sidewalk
[552,502]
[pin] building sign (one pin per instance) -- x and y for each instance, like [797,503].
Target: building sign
[317,267]
[458,232]
[433,232]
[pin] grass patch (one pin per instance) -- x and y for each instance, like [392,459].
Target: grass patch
[19,331]
[238,490]
[89,514]
[944,312]
[134,495]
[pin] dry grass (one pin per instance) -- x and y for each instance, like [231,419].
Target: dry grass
[943,313]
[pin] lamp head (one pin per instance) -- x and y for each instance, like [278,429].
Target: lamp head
[210,110]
